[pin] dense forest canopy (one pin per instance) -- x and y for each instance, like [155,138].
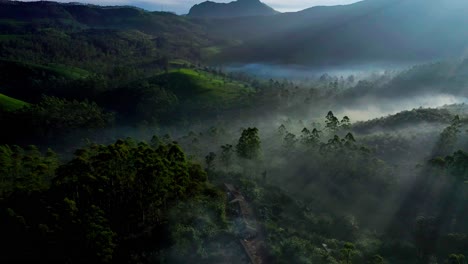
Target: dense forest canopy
[129,136]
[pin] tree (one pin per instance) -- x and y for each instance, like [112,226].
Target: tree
[448,138]
[425,236]
[456,259]
[155,104]
[126,178]
[248,146]
[349,137]
[282,130]
[347,252]
[289,141]
[455,165]
[332,123]
[26,169]
[305,136]
[210,159]
[99,235]
[155,141]
[315,136]
[350,142]
[345,123]
[377,259]
[226,155]
[53,117]
[333,144]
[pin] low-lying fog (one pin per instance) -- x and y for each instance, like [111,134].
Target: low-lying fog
[370,108]
[301,72]
[361,93]
[359,105]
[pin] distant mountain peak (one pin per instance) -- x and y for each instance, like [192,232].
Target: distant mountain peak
[239,8]
[249,1]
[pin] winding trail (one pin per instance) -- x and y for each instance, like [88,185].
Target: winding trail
[253,241]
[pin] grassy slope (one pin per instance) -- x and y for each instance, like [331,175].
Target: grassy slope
[205,89]
[51,69]
[10,104]
[66,71]
[28,81]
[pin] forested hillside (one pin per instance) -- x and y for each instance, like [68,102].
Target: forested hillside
[138,66]
[96,37]
[122,142]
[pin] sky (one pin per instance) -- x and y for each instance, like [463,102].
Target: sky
[183,6]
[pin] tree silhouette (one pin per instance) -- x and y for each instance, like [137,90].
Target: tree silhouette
[226,155]
[345,123]
[248,146]
[332,123]
[347,252]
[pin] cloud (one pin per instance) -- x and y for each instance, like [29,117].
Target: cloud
[183,6]
[296,5]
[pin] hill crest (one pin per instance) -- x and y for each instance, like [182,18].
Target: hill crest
[239,8]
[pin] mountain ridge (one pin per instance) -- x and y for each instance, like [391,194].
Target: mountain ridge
[239,8]
[366,31]
[369,31]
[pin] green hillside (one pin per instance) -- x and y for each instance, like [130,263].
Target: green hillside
[29,81]
[202,88]
[10,104]
[36,69]
[177,94]
[97,38]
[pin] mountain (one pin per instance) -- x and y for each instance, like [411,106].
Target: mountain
[370,31]
[239,8]
[89,36]
[367,31]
